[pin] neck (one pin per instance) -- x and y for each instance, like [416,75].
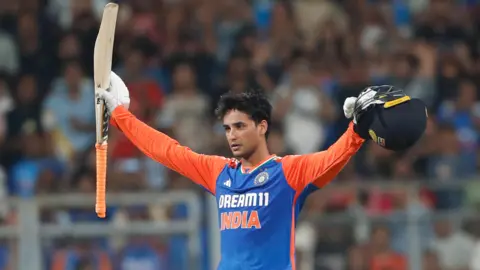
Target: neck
[260,155]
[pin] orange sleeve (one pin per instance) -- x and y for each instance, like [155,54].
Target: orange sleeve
[201,169]
[320,168]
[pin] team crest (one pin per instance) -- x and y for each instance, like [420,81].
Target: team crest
[261,178]
[378,140]
[373,135]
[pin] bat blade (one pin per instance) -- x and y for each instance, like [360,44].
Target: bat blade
[102,66]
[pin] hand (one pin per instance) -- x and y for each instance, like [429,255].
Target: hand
[117,94]
[354,107]
[349,107]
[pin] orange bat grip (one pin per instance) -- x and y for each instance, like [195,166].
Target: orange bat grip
[100,203]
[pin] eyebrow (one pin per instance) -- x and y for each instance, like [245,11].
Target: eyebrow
[233,124]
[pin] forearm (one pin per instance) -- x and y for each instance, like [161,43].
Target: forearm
[322,167]
[201,169]
[151,142]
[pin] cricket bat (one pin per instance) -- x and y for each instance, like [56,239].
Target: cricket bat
[102,66]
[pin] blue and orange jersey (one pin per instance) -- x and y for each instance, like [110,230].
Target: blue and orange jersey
[257,206]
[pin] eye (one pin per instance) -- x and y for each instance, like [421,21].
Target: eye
[239,125]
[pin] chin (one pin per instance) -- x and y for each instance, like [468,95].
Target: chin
[237,154]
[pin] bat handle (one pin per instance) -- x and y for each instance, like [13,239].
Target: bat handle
[100,200]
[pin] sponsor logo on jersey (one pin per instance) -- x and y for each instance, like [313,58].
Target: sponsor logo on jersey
[242,219]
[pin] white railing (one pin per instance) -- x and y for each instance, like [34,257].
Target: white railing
[29,231]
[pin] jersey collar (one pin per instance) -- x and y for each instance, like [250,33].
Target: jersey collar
[253,168]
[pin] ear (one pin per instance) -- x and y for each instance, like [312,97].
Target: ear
[263,127]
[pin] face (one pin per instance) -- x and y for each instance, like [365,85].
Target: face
[184,77]
[27,89]
[381,238]
[86,184]
[27,27]
[69,47]
[73,75]
[467,95]
[443,228]
[301,73]
[243,135]
[238,69]
[134,62]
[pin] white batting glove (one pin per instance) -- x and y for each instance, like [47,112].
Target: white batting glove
[110,101]
[349,107]
[117,94]
[354,105]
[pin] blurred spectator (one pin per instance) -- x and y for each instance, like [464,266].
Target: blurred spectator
[70,47]
[448,166]
[69,113]
[276,141]
[237,78]
[305,109]
[232,15]
[9,53]
[377,254]
[26,173]
[141,252]
[6,105]
[430,261]
[463,114]
[475,232]
[454,248]
[305,245]
[185,111]
[414,72]
[382,256]
[404,208]
[24,118]
[36,39]
[81,255]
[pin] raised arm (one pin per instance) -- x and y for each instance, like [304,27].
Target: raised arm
[320,168]
[201,169]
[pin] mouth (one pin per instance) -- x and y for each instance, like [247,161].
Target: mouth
[235,147]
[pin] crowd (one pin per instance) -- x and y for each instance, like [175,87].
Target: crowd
[178,56]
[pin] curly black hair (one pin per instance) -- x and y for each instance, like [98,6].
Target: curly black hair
[252,103]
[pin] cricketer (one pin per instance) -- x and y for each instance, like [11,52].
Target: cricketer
[259,195]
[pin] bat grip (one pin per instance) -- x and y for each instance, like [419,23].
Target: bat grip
[100,200]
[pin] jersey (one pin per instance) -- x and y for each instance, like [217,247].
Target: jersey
[257,206]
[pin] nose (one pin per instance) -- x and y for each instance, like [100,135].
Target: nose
[232,135]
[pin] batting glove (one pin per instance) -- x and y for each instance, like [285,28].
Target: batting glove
[349,107]
[356,106]
[117,94]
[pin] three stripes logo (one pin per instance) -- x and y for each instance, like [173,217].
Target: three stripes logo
[228,183]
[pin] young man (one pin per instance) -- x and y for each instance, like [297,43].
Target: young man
[259,194]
